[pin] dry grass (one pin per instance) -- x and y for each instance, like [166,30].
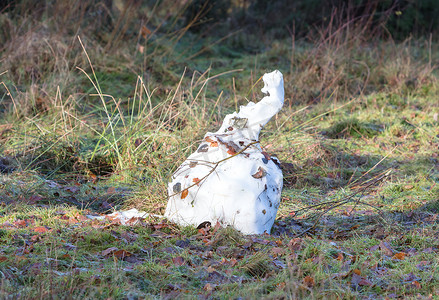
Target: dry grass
[98,126]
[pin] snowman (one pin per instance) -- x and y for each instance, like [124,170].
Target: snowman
[229,179]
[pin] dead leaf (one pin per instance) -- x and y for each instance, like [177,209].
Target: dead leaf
[178,261]
[35,238]
[399,255]
[72,189]
[140,48]
[196,180]
[260,173]
[144,31]
[184,193]
[277,251]
[356,271]
[121,254]
[386,249]
[20,223]
[109,251]
[3,258]
[40,229]
[295,244]
[416,284]
[360,280]
[208,287]
[111,190]
[308,281]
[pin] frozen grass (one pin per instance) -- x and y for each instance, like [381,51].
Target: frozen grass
[90,128]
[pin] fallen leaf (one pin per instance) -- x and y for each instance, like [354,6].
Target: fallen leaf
[121,254]
[260,173]
[295,244]
[277,251]
[399,255]
[208,287]
[196,180]
[35,238]
[34,198]
[109,251]
[233,262]
[3,258]
[144,31]
[72,189]
[360,280]
[111,190]
[231,151]
[184,193]
[178,261]
[40,229]
[356,271]
[386,249]
[308,281]
[340,256]
[20,223]
[416,284]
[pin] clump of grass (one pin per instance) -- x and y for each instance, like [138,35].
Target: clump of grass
[353,128]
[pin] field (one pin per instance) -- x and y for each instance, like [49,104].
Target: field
[95,118]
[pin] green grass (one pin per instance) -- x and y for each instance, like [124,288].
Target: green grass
[93,128]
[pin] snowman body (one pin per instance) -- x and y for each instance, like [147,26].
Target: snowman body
[229,179]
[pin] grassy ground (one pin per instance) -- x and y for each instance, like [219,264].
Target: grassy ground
[97,123]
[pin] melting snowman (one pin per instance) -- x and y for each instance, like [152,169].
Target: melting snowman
[229,179]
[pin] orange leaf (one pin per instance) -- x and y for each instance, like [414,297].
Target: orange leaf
[399,255]
[184,193]
[356,271]
[231,151]
[260,173]
[308,281]
[20,223]
[40,229]
[416,284]
[340,256]
[214,144]
[3,258]
[121,254]
[196,180]
[144,31]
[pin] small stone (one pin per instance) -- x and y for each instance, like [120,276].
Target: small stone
[177,187]
[203,148]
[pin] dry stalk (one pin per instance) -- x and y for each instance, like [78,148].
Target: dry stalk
[327,206]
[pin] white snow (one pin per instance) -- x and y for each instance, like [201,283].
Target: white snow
[229,178]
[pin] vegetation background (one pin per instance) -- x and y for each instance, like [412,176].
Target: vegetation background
[100,101]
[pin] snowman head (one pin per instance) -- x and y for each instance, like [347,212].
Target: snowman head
[272,81]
